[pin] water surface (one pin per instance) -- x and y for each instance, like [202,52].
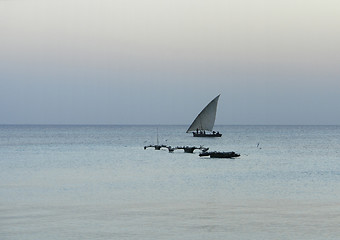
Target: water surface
[97,182]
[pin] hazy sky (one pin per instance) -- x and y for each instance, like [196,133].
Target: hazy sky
[161,62]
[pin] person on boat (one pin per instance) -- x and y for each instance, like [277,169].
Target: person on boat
[197,130]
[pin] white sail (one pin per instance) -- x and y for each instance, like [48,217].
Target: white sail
[206,119]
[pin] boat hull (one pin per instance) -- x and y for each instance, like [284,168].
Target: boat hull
[207,134]
[220,154]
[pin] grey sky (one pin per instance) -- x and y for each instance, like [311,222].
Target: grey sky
[161,62]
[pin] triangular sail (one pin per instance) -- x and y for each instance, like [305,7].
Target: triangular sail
[206,119]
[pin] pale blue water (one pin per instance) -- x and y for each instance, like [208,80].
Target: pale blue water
[97,182]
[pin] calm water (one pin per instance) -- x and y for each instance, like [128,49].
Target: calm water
[97,182]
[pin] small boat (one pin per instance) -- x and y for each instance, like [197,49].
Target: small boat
[220,154]
[205,121]
[189,149]
[157,146]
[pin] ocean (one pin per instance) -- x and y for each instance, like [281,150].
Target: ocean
[98,182]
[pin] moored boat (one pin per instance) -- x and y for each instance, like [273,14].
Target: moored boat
[220,154]
[157,146]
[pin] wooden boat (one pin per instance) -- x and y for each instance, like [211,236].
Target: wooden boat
[220,154]
[187,149]
[204,134]
[205,121]
[157,146]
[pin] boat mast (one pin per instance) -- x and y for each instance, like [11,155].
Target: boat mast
[157,137]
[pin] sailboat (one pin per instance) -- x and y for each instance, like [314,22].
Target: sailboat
[205,121]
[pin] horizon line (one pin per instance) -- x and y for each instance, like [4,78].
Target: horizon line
[151,124]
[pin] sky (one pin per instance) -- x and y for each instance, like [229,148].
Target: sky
[162,61]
